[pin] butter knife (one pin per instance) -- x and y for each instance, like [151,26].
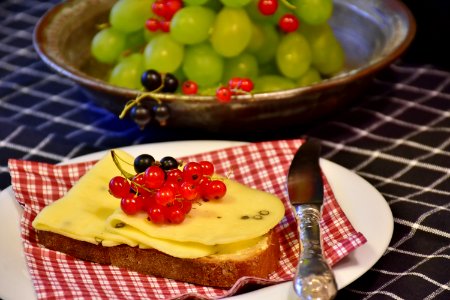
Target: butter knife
[314,278]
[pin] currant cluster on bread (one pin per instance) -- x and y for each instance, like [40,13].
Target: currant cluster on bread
[166,190]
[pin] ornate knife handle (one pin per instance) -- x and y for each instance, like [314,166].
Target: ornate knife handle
[314,278]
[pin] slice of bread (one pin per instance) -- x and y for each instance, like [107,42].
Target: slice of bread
[218,270]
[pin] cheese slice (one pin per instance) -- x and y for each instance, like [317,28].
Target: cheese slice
[89,213]
[244,213]
[82,212]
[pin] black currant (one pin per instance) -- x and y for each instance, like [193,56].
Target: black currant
[151,80]
[170,83]
[141,115]
[168,163]
[142,162]
[162,113]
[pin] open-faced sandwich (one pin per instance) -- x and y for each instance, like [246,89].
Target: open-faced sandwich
[169,219]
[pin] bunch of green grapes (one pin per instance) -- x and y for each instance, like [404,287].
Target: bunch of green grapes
[278,44]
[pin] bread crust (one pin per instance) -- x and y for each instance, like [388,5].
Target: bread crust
[214,270]
[79,249]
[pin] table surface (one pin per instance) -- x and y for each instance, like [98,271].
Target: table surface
[396,136]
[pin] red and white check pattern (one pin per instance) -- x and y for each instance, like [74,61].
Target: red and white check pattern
[260,165]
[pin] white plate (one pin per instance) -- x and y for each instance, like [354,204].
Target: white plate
[366,209]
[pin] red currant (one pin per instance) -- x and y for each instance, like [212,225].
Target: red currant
[137,183]
[185,206]
[203,185]
[207,167]
[223,94]
[154,177]
[192,172]
[174,175]
[147,201]
[189,191]
[164,25]
[247,85]
[165,195]
[216,189]
[267,7]
[159,8]
[156,214]
[234,83]
[174,185]
[119,187]
[189,87]
[288,23]
[172,6]
[175,214]
[131,204]
[152,24]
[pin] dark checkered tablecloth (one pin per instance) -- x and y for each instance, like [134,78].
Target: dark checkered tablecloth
[396,136]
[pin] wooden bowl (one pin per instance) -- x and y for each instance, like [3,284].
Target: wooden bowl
[373,34]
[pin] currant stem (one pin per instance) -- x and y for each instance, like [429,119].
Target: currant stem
[288,4]
[137,100]
[116,161]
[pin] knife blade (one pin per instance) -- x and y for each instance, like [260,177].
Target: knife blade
[305,184]
[314,278]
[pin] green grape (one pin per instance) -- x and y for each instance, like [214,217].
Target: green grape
[254,14]
[331,59]
[314,12]
[163,54]
[130,15]
[293,55]
[192,24]
[268,48]
[149,35]
[244,65]
[195,2]
[256,39]
[127,73]
[135,40]
[328,56]
[107,45]
[203,65]
[232,31]
[235,3]
[214,5]
[181,77]
[309,77]
[272,83]
[269,68]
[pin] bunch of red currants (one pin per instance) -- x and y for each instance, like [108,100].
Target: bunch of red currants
[165,190]
[164,9]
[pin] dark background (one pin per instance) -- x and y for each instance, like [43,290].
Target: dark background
[432,41]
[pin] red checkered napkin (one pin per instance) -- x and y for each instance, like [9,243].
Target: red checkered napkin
[261,165]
